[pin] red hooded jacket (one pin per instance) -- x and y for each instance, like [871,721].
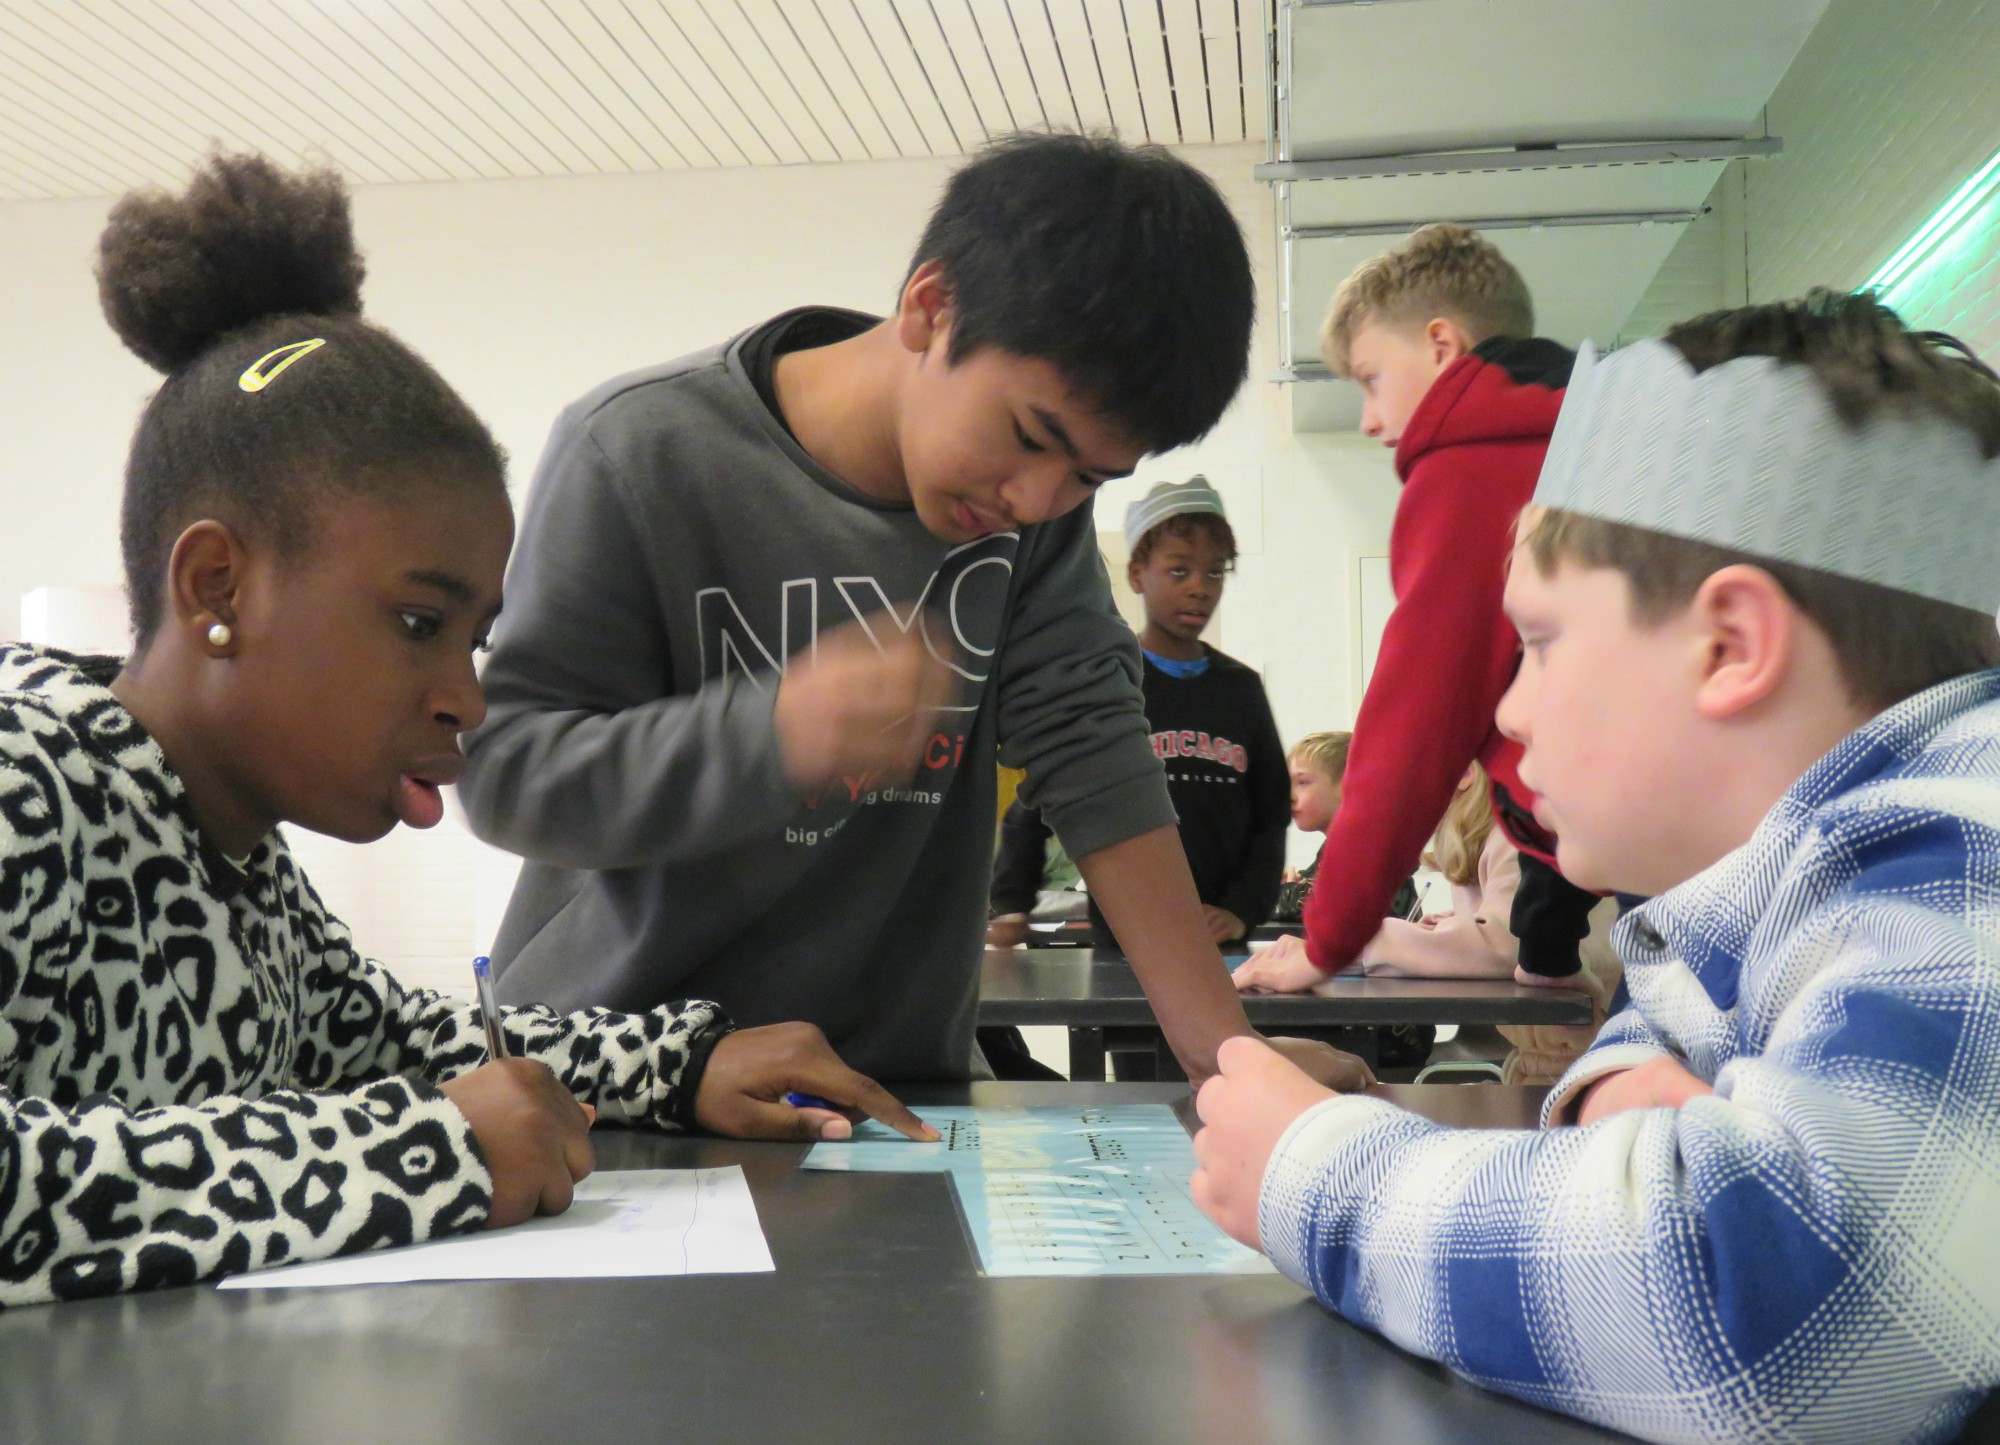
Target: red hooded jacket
[1468,460]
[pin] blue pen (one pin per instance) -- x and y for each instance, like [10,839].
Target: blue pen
[489,1009]
[812,1101]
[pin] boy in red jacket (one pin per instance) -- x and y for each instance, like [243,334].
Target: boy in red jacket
[1439,335]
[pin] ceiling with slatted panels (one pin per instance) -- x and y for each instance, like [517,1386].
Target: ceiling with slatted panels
[97,96]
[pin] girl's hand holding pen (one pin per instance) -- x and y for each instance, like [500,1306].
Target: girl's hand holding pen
[533,1132]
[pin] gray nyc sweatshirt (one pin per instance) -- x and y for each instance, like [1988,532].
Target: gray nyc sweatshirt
[678,547]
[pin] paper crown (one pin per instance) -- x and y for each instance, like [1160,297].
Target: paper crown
[1169,499]
[1750,455]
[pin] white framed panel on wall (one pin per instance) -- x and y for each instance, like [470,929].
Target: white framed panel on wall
[1371,598]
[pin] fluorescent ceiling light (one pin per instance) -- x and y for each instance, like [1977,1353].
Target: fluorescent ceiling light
[1929,244]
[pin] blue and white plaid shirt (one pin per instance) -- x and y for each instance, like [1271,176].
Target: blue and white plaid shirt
[1812,1252]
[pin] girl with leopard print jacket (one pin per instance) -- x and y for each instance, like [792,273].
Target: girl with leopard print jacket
[201,1075]
[198,1073]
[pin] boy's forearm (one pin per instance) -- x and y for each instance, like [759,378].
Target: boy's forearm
[1146,893]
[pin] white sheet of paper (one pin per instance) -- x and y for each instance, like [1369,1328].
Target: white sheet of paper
[623,1222]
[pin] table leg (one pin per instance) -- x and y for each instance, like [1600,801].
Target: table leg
[1086,1055]
[1145,1058]
[1134,1054]
[1361,1042]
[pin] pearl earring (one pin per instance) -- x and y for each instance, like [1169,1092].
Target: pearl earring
[219,635]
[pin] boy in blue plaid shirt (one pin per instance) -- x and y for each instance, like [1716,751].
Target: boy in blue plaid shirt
[1759,685]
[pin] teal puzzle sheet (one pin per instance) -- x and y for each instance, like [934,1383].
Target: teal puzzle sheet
[1082,1191]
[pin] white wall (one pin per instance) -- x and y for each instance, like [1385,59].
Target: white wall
[526,294]
[68,398]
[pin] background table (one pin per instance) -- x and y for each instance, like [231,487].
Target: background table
[1270,932]
[875,1330]
[1076,933]
[1099,1000]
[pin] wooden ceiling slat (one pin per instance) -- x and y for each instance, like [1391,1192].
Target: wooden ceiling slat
[1118,70]
[510,54]
[109,81]
[710,30]
[1148,44]
[999,26]
[889,41]
[1042,53]
[33,148]
[966,42]
[776,33]
[966,91]
[1223,51]
[453,90]
[441,87]
[555,63]
[720,103]
[297,68]
[146,58]
[870,91]
[659,88]
[1188,70]
[1083,62]
[602,69]
[104,95]
[1253,19]
[448,32]
[32,113]
[314,30]
[241,74]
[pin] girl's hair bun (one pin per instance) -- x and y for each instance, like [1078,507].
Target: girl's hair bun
[245,241]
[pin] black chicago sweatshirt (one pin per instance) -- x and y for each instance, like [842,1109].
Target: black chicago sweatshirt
[1226,774]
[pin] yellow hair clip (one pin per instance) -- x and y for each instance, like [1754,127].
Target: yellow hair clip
[268,367]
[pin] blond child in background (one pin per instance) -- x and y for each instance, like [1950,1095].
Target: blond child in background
[1317,763]
[1472,939]
[1314,765]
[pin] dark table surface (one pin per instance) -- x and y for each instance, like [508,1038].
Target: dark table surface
[874,1328]
[1075,988]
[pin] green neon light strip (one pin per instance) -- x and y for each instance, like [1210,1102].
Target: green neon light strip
[1912,254]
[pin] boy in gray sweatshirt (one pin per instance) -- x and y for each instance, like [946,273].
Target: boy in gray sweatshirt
[778,606]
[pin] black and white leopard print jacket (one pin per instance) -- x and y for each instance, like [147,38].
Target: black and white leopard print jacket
[198,1074]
